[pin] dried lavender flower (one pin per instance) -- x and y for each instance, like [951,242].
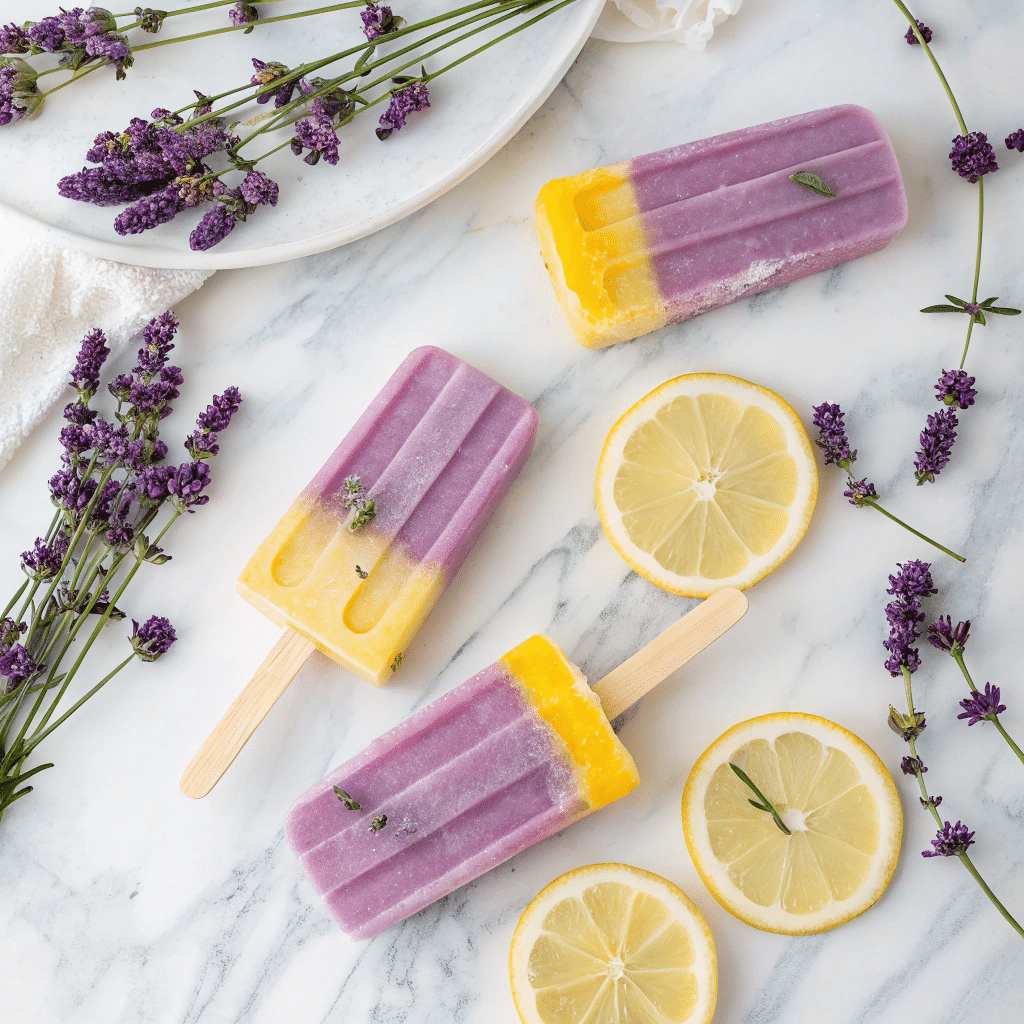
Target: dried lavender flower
[258,189]
[955,387]
[912,766]
[14,39]
[17,665]
[19,95]
[404,101]
[908,586]
[913,581]
[950,841]
[153,638]
[316,133]
[861,492]
[925,31]
[972,156]
[47,34]
[186,484]
[85,377]
[1015,140]
[378,21]
[936,442]
[152,21]
[215,226]
[243,13]
[150,212]
[982,705]
[947,637]
[44,560]
[832,439]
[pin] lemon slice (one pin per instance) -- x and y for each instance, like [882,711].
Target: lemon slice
[707,482]
[834,795]
[610,943]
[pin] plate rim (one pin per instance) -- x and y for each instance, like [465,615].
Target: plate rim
[162,258]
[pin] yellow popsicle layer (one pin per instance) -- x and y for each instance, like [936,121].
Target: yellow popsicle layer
[594,247]
[304,576]
[559,692]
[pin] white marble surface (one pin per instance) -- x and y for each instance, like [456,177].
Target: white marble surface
[121,901]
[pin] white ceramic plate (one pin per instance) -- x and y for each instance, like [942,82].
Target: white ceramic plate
[475,109]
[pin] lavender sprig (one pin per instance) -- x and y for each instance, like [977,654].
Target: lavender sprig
[912,582]
[972,157]
[166,165]
[834,443]
[108,496]
[979,705]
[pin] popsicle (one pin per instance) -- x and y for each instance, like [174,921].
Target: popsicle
[365,552]
[639,244]
[513,755]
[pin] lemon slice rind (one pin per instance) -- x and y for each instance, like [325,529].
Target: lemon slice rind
[686,986]
[690,524]
[770,842]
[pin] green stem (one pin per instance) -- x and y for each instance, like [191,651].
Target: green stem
[959,659]
[250,25]
[40,736]
[935,64]
[14,600]
[966,861]
[765,804]
[930,805]
[977,266]
[917,533]
[508,9]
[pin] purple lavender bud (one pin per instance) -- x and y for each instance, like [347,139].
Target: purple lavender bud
[47,34]
[201,445]
[187,483]
[70,493]
[955,388]
[1015,140]
[157,342]
[950,841]
[185,150]
[913,580]
[925,31]
[100,187]
[9,633]
[76,412]
[74,440]
[316,133]
[932,801]
[258,189]
[244,13]
[91,356]
[14,39]
[912,766]
[215,226]
[113,48]
[149,213]
[153,638]
[404,101]
[947,637]
[377,21]
[19,96]
[936,442]
[44,561]
[151,485]
[219,412]
[832,435]
[267,73]
[972,156]
[861,492]
[18,666]
[982,706]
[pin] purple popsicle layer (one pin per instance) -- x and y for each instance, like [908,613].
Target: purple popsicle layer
[508,758]
[723,218]
[643,243]
[465,783]
[435,452]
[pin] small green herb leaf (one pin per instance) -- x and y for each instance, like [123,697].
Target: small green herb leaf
[980,317]
[1003,310]
[813,182]
[361,573]
[378,822]
[956,301]
[348,801]
[943,309]
[399,658]
[765,804]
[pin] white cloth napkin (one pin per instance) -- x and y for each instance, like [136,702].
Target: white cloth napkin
[50,298]
[691,22]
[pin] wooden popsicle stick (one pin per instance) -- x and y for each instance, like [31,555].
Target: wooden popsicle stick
[240,720]
[625,685]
